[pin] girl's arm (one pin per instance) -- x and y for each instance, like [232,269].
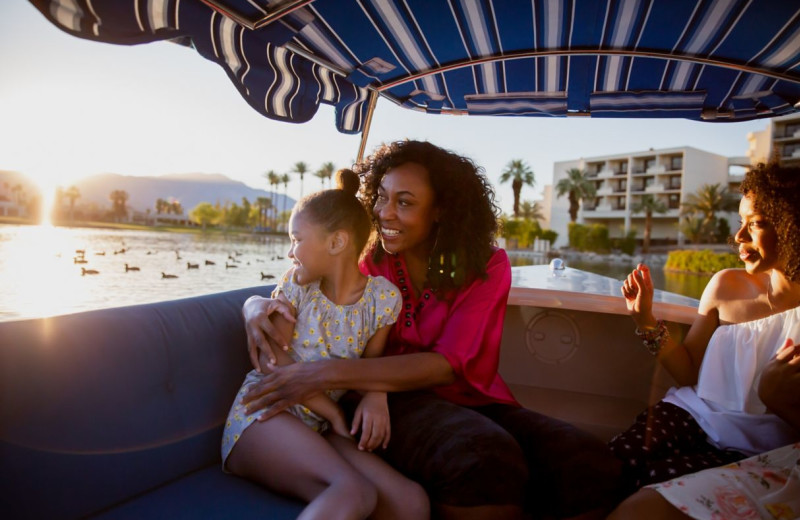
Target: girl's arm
[372,413]
[682,359]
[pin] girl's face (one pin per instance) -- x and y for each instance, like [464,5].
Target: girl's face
[405,209]
[309,248]
[757,239]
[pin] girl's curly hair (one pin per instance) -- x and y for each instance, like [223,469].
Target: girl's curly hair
[776,193]
[468,216]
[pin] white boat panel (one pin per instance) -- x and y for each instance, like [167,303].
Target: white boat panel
[539,286]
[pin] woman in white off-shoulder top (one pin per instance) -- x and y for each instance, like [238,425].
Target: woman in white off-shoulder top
[747,323]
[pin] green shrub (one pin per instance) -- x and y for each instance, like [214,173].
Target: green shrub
[549,235]
[589,238]
[627,245]
[704,261]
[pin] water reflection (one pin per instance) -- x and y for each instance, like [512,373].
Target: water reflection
[690,285]
[39,275]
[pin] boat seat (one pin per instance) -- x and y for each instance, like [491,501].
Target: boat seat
[118,413]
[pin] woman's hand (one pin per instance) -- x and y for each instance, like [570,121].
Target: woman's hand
[638,292]
[262,335]
[372,418]
[283,387]
[779,387]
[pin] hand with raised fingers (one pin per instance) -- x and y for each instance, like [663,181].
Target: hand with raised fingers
[372,418]
[638,290]
[262,335]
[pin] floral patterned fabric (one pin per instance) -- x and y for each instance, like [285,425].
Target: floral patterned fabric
[324,330]
[762,486]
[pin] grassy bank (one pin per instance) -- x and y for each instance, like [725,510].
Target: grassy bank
[700,262]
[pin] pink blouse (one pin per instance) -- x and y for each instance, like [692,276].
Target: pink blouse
[466,331]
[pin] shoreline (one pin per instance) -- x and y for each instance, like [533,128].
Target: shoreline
[124,226]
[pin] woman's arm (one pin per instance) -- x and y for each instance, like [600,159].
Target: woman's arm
[294,383]
[319,403]
[262,335]
[682,359]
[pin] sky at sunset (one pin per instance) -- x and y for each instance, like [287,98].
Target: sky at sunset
[71,108]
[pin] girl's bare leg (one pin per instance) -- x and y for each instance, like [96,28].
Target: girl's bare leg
[288,457]
[649,504]
[398,497]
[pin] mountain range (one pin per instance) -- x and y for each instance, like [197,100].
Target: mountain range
[189,189]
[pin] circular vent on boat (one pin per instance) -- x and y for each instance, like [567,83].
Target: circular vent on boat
[552,337]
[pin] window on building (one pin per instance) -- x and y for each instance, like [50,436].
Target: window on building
[674,201]
[791,128]
[649,181]
[649,163]
[676,163]
[675,182]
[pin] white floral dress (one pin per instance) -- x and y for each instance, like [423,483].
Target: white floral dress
[762,486]
[323,330]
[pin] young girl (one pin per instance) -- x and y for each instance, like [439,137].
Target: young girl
[340,313]
[745,317]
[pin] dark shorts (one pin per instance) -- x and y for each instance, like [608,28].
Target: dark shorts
[498,455]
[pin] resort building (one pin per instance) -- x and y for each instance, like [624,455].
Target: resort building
[622,180]
[780,139]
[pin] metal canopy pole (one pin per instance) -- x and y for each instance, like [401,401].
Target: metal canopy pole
[373,100]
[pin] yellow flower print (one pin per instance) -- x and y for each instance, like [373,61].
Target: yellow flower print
[236,438]
[328,347]
[305,342]
[338,337]
[392,293]
[379,317]
[320,340]
[383,296]
[352,323]
[311,331]
[359,333]
[388,310]
[328,333]
[323,353]
[350,340]
[358,351]
[228,424]
[251,418]
[295,335]
[336,322]
[355,312]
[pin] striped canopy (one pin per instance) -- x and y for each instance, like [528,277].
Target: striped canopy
[712,60]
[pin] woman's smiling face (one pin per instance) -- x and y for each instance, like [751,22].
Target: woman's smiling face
[756,238]
[405,209]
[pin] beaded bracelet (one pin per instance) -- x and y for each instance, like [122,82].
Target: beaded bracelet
[654,338]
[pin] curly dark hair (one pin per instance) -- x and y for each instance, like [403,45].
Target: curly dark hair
[775,190]
[468,215]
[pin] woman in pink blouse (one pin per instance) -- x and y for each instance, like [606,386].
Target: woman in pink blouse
[456,427]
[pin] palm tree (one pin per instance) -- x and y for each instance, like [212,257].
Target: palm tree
[119,199]
[531,210]
[274,179]
[301,169]
[72,193]
[648,205]
[285,180]
[577,187]
[325,172]
[520,174]
[263,204]
[707,201]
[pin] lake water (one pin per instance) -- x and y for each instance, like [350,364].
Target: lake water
[39,276]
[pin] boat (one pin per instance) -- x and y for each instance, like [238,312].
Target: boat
[117,413]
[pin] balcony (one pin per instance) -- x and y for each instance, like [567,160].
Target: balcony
[654,188]
[637,189]
[658,168]
[605,190]
[619,189]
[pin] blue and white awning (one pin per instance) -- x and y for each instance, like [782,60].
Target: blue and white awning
[714,60]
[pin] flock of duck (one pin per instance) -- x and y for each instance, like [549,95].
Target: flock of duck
[230,263]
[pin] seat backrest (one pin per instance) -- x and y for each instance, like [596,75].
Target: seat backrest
[99,406]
